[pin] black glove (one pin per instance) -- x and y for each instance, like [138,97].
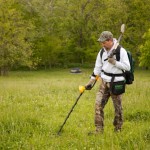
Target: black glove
[89,85]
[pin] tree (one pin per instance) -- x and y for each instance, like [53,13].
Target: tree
[137,24]
[86,19]
[47,19]
[79,24]
[15,45]
[144,57]
[52,32]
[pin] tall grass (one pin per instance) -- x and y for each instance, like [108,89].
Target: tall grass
[33,106]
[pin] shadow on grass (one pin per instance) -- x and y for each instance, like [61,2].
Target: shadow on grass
[138,116]
[146,135]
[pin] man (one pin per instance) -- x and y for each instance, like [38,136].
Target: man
[110,70]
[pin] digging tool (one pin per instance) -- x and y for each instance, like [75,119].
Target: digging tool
[81,90]
[119,39]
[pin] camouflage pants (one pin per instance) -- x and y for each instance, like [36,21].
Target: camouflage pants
[101,100]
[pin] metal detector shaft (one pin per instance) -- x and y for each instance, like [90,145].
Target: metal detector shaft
[81,89]
[69,113]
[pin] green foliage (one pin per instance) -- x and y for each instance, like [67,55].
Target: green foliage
[57,33]
[15,46]
[144,50]
[47,50]
[137,24]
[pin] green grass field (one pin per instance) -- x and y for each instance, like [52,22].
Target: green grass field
[33,106]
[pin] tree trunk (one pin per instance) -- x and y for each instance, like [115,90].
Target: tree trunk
[146,68]
[4,71]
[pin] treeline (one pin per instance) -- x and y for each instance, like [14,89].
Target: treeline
[63,33]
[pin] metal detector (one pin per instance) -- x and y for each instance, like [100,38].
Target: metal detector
[81,89]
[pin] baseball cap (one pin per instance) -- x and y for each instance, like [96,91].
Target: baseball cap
[105,35]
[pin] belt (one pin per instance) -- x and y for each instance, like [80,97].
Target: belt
[113,75]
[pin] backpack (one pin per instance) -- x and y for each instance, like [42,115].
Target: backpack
[129,75]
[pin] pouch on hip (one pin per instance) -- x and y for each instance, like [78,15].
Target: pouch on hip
[118,88]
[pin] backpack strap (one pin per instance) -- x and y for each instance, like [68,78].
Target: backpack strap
[111,74]
[112,77]
[101,52]
[117,53]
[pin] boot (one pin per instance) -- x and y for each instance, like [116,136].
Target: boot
[96,132]
[117,129]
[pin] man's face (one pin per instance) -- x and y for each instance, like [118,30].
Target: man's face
[107,44]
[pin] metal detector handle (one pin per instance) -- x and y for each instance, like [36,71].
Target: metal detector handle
[96,78]
[89,86]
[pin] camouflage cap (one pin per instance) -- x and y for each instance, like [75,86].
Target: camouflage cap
[105,35]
